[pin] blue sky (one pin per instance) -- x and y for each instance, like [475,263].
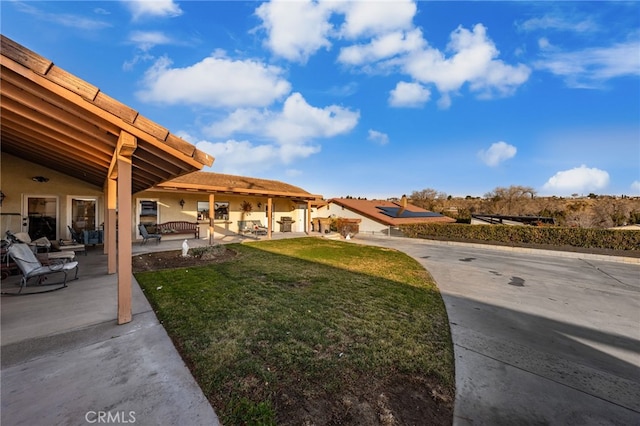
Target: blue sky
[371,99]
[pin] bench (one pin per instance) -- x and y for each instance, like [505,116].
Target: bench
[179,227]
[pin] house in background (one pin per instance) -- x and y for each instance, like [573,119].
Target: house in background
[223,204]
[380,216]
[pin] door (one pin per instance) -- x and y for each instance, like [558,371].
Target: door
[148,215]
[83,214]
[41,218]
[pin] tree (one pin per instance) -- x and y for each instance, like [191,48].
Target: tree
[428,198]
[503,200]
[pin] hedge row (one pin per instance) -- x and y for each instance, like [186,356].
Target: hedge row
[515,235]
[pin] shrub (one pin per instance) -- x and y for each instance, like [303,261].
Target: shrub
[514,235]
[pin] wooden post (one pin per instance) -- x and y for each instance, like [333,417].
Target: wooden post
[269,216]
[126,145]
[212,216]
[110,226]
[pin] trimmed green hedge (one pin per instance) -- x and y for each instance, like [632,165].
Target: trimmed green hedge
[515,235]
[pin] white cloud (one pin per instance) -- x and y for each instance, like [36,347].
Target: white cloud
[635,186]
[300,121]
[473,60]
[409,95]
[214,82]
[497,153]
[579,179]
[591,67]
[378,137]
[292,130]
[385,39]
[558,23]
[366,18]
[65,19]
[146,40]
[384,46]
[153,8]
[295,29]
[240,157]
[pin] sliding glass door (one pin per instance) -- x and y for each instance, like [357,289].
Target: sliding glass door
[41,218]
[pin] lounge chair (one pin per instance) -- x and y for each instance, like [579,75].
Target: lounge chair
[146,236]
[31,267]
[41,244]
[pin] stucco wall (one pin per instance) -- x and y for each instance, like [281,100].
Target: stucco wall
[16,183]
[367,225]
[170,210]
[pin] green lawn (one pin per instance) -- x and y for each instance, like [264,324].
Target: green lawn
[309,329]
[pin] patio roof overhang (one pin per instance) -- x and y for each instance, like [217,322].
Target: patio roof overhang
[208,189]
[53,118]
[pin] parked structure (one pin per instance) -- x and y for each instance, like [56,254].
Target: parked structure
[379,216]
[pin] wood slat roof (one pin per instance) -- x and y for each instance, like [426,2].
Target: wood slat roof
[51,117]
[241,185]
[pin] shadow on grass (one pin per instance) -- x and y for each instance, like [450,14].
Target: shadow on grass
[295,330]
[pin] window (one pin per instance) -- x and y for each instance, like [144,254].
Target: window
[222,210]
[83,214]
[203,210]
[148,214]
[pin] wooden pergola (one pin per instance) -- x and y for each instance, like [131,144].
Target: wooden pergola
[53,118]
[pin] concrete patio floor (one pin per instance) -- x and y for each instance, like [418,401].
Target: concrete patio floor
[64,359]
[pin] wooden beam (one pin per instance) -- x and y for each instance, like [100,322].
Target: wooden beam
[51,141]
[124,151]
[243,191]
[212,215]
[125,269]
[10,91]
[110,225]
[269,217]
[126,145]
[90,107]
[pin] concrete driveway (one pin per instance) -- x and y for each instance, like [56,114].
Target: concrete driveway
[538,338]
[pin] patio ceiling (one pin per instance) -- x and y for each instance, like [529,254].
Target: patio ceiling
[53,118]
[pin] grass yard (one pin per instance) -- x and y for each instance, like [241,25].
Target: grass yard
[311,331]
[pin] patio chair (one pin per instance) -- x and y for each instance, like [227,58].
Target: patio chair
[31,267]
[146,236]
[75,236]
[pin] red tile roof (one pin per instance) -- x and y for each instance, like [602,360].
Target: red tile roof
[369,208]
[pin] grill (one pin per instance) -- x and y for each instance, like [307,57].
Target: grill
[285,223]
